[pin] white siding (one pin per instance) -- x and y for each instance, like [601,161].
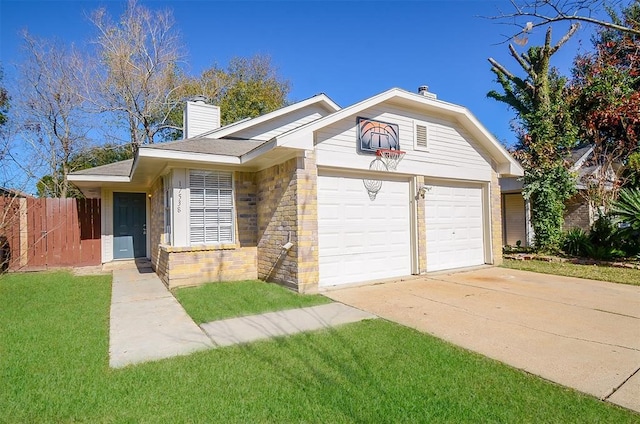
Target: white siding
[200,118]
[452,153]
[515,227]
[107,225]
[275,127]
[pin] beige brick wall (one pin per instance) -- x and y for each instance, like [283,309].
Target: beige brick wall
[156,226]
[189,266]
[246,195]
[288,211]
[577,214]
[422,229]
[307,212]
[192,265]
[496,219]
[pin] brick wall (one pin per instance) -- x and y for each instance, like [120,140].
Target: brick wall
[156,226]
[422,228]
[288,211]
[276,220]
[191,265]
[496,219]
[577,213]
[307,213]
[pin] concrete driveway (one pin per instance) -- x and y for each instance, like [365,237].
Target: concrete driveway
[579,333]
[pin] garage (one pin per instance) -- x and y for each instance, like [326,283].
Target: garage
[454,223]
[360,239]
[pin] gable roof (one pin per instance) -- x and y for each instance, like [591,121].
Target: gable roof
[299,137]
[116,169]
[320,99]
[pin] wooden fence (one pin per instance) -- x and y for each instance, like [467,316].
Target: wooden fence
[43,233]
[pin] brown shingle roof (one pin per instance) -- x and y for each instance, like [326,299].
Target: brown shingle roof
[116,169]
[211,146]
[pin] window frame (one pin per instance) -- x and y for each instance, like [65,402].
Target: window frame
[206,210]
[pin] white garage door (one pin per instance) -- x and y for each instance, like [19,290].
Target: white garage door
[360,239]
[453,216]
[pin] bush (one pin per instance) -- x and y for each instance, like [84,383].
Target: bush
[626,212]
[576,242]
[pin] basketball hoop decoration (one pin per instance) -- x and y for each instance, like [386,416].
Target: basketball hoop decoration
[390,157]
[374,186]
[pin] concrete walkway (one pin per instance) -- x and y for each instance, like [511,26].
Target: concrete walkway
[579,333]
[148,323]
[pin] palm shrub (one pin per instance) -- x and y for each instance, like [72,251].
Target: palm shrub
[604,240]
[576,242]
[626,213]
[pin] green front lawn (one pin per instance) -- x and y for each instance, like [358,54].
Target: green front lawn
[54,368]
[592,272]
[214,301]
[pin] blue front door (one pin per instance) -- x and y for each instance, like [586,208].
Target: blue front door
[129,225]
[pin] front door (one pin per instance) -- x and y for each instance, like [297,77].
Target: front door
[129,225]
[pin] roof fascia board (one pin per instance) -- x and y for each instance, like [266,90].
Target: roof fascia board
[188,156]
[99,178]
[258,151]
[242,125]
[582,160]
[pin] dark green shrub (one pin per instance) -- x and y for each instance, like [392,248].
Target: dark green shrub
[626,212]
[604,253]
[576,242]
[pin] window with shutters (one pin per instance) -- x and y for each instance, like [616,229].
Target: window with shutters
[211,207]
[421,133]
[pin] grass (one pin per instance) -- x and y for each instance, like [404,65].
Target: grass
[54,368]
[214,301]
[592,272]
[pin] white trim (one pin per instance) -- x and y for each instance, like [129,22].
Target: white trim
[258,151]
[188,156]
[99,178]
[578,164]
[248,123]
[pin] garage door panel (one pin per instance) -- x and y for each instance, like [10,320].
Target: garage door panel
[368,239]
[454,220]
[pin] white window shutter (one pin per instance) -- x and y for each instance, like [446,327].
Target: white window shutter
[212,212]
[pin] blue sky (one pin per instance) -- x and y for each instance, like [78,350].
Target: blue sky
[348,50]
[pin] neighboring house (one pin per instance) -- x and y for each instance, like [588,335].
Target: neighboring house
[11,192]
[297,196]
[516,212]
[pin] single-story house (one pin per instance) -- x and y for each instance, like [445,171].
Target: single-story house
[579,213]
[300,196]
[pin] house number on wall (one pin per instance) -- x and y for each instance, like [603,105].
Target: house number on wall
[179,207]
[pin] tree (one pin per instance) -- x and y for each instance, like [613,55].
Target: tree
[606,95]
[545,135]
[4,100]
[139,57]
[108,153]
[255,89]
[530,14]
[51,106]
[247,88]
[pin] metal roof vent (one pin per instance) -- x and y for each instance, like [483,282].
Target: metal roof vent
[423,90]
[199,99]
